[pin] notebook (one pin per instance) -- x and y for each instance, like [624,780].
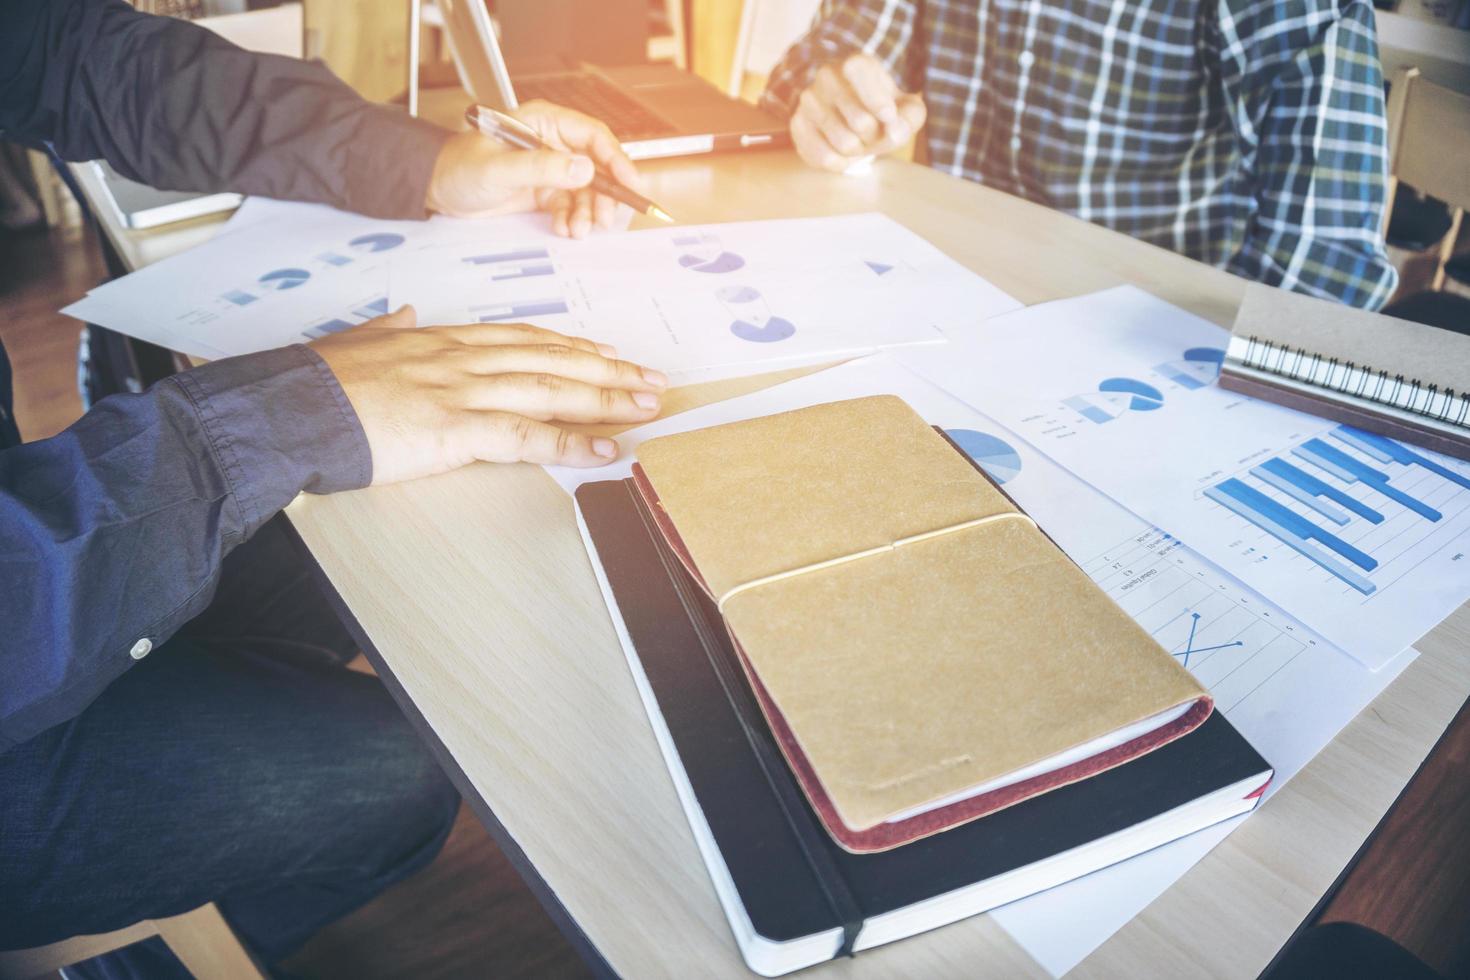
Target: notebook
[1392,377]
[922,651]
[795,897]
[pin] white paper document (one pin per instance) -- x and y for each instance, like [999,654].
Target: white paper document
[278,274]
[715,300]
[1362,538]
[1285,688]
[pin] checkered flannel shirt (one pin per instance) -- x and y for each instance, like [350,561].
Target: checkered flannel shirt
[1248,134]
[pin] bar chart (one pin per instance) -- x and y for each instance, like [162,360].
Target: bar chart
[360,314]
[510,264]
[1351,482]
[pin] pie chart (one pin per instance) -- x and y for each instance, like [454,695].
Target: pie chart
[1142,397]
[377,242]
[996,457]
[1206,355]
[769,332]
[722,262]
[285,278]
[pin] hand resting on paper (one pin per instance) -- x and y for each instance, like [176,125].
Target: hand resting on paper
[853,109]
[476,177]
[436,399]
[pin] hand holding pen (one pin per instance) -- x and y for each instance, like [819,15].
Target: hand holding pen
[477,177]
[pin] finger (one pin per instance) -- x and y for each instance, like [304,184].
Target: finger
[580,221]
[403,318]
[581,134]
[813,146]
[838,94]
[499,437]
[911,116]
[496,334]
[813,107]
[604,212]
[873,85]
[567,362]
[539,168]
[552,198]
[548,397]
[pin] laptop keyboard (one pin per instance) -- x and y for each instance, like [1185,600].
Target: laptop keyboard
[600,99]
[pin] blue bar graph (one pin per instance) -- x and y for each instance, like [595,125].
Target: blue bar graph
[1305,487]
[515,256]
[378,307]
[239,297]
[1388,451]
[1350,469]
[524,272]
[519,310]
[321,330]
[1295,531]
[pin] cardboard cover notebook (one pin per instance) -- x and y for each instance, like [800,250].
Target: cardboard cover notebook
[1390,377]
[923,653]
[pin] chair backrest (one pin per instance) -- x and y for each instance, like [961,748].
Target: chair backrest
[1429,138]
[767,29]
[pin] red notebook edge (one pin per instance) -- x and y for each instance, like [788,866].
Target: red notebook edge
[886,836]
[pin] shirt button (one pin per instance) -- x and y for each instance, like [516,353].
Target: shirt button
[1027,59]
[141,648]
[1015,142]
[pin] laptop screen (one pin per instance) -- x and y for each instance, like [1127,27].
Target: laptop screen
[541,35]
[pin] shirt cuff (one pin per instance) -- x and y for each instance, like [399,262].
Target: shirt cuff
[394,156]
[277,423]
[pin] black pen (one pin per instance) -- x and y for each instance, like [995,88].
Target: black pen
[508,129]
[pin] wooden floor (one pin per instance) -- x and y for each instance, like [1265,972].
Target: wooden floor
[469,914]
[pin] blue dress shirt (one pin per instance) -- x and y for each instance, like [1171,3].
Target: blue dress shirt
[112,533]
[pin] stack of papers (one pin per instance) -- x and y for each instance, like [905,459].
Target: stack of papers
[696,302]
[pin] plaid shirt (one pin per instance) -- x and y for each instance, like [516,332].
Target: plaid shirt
[1248,134]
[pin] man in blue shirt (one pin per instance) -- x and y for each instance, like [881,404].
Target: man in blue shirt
[159,751]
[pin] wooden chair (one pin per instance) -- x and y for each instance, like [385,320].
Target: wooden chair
[1429,149]
[202,940]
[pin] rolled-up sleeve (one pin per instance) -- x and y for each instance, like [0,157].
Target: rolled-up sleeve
[881,28]
[112,533]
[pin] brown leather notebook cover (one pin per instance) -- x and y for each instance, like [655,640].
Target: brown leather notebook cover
[958,647]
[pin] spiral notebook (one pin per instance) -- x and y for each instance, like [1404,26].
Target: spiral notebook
[1397,378]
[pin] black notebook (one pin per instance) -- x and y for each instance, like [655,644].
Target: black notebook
[793,897]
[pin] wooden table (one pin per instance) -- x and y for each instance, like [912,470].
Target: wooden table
[474,595]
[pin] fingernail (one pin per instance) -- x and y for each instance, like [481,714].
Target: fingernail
[655,377]
[899,132]
[888,114]
[606,350]
[581,169]
[645,399]
[605,448]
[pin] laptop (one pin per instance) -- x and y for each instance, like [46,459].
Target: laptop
[139,206]
[591,55]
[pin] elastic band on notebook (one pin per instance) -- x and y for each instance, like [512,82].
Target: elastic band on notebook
[868,553]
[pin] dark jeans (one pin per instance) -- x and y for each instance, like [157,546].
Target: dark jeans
[239,763]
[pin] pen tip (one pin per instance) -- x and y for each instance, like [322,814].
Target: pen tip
[660,214]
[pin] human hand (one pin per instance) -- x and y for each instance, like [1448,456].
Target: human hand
[853,109]
[475,177]
[436,399]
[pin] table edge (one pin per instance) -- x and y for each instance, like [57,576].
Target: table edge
[565,922]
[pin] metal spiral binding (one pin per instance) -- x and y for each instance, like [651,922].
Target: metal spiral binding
[1359,381]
